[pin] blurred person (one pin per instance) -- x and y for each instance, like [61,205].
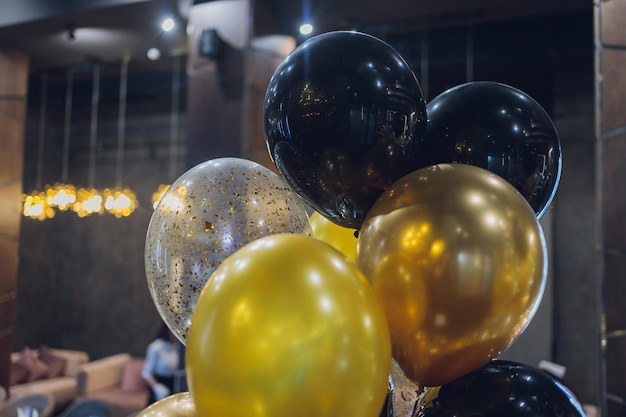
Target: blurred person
[162,361]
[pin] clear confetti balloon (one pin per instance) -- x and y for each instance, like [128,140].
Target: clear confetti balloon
[207,214]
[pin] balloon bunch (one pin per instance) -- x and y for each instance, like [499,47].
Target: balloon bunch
[275,322]
[423,253]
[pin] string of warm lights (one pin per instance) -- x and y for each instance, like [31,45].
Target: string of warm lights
[42,205]
[119,201]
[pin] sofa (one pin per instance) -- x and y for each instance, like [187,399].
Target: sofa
[46,370]
[117,381]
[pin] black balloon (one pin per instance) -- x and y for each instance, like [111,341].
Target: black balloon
[504,388]
[343,117]
[499,128]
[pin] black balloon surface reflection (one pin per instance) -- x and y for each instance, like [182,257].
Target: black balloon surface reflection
[499,128]
[344,117]
[504,388]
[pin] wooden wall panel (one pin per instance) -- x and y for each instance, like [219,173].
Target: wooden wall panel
[13,89]
[614,88]
[611,172]
[613,22]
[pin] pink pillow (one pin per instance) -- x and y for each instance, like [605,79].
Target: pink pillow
[131,376]
[36,368]
[56,364]
[19,373]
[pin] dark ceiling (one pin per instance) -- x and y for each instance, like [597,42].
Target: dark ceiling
[108,30]
[393,14]
[92,30]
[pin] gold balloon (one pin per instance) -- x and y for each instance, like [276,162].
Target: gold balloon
[340,238]
[287,326]
[176,405]
[458,261]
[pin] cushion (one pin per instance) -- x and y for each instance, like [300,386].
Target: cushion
[75,360]
[103,373]
[36,368]
[19,373]
[131,376]
[56,364]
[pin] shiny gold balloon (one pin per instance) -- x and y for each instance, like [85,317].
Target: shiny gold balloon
[458,261]
[287,326]
[341,238]
[176,405]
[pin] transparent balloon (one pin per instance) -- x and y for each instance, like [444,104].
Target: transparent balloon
[207,214]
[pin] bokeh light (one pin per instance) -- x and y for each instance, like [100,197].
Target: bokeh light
[156,196]
[36,206]
[120,202]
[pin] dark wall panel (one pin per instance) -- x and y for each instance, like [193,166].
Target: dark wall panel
[611,145]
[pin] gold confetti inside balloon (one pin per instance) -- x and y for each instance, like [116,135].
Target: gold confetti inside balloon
[288,326]
[176,405]
[458,260]
[207,214]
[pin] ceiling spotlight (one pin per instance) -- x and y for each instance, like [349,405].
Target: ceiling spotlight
[153,54]
[306,29]
[167,24]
